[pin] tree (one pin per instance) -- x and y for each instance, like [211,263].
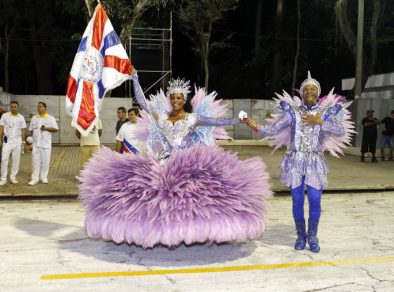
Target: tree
[197,18]
[126,12]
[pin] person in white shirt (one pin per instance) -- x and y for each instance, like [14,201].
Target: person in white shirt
[42,126]
[90,144]
[125,141]
[13,136]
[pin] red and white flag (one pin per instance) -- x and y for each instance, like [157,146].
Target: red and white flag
[101,64]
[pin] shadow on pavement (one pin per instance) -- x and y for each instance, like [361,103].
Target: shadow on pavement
[77,242]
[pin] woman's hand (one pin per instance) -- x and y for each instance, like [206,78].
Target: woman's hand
[251,123]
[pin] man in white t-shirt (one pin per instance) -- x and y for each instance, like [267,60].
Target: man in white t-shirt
[125,141]
[90,144]
[13,136]
[42,126]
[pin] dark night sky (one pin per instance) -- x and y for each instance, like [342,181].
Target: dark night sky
[236,72]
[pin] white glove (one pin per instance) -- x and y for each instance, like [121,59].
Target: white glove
[242,115]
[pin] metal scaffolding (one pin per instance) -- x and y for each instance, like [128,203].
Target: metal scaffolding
[150,50]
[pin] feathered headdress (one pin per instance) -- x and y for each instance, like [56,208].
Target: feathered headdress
[178,86]
[310,81]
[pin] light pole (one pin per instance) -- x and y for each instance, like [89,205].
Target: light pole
[359,56]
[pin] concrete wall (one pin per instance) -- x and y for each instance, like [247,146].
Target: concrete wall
[56,107]
[256,109]
[261,109]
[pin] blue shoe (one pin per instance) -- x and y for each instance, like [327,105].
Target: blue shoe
[301,235]
[312,236]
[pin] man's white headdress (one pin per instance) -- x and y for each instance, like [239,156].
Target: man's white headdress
[178,86]
[310,81]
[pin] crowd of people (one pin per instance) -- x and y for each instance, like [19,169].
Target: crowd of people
[17,139]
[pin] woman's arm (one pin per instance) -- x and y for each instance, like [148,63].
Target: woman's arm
[207,121]
[139,93]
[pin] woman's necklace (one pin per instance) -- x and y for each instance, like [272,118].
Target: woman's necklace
[175,118]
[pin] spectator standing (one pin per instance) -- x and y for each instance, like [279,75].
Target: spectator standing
[42,126]
[2,111]
[90,144]
[125,141]
[13,133]
[370,135]
[387,134]
[122,118]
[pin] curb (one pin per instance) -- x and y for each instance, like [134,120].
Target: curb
[279,193]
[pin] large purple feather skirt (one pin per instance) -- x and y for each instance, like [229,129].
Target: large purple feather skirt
[202,194]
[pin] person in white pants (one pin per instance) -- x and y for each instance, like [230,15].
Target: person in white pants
[42,126]
[12,137]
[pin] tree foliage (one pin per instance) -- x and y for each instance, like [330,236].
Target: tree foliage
[197,19]
[38,41]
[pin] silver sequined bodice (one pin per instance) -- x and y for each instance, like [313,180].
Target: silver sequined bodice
[176,133]
[306,137]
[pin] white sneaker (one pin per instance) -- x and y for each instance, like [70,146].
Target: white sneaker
[44,180]
[13,180]
[33,182]
[3,182]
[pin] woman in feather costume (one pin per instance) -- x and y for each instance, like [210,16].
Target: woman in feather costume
[184,188]
[308,127]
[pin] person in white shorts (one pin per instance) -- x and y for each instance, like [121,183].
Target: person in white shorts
[42,126]
[125,141]
[13,136]
[90,144]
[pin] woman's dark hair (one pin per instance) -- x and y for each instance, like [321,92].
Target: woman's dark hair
[188,105]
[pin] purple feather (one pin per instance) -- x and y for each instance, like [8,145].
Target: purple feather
[202,194]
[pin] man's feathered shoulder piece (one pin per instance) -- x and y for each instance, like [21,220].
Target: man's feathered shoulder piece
[331,104]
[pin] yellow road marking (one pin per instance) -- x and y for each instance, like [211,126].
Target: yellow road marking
[220,269]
